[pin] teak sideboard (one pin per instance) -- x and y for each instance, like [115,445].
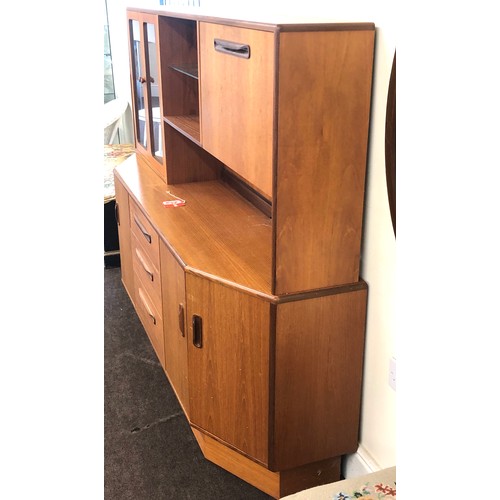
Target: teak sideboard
[240,220]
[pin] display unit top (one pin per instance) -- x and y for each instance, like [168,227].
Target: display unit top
[274,26]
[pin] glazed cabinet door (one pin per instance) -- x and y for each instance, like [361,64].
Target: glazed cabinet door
[228,360]
[146,85]
[237,92]
[174,311]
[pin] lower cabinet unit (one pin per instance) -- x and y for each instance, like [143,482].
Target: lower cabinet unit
[271,385]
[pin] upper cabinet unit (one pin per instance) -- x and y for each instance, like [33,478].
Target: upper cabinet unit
[278,113]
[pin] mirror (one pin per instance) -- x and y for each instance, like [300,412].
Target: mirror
[390,144]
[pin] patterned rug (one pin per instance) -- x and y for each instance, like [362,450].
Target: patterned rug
[114,154]
[376,486]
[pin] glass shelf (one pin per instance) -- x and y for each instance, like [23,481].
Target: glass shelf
[191,71]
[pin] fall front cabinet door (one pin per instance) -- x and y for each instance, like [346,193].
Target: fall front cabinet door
[237,96]
[228,362]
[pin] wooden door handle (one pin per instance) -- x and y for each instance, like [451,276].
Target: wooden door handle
[197,331]
[180,313]
[232,48]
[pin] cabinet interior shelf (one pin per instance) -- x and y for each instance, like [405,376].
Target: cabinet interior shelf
[188,70]
[188,125]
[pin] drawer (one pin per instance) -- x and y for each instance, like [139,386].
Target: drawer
[145,234]
[147,272]
[150,319]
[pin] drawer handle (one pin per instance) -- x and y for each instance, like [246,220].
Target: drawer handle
[143,264]
[143,230]
[117,213]
[197,331]
[146,305]
[180,313]
[232,48]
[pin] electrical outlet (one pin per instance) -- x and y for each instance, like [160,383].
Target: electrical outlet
[392,373]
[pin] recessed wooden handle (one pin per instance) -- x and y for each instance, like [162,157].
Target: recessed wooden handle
[143,263]
[143,230]
[197,331]
[232,48]
[146,306]
[180,314]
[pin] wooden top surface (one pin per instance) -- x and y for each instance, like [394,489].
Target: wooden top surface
[216,233]
[283,24]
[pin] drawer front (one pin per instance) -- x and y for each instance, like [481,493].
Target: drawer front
[147,272]
[237,96]
[145,234]
[150,319]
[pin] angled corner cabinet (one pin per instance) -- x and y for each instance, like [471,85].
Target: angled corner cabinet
[240,220]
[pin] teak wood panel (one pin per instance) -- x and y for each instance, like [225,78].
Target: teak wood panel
[324,111]
[237,97]
[239,465]
[216,232]
[186,162]
[124,234]
[319,359]
[174,325]
[276,484]
[229,374]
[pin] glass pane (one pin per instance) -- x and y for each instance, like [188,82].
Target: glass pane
[109,86]
[153,90]
[140,103]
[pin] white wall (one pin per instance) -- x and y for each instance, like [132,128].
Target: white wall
[378,419]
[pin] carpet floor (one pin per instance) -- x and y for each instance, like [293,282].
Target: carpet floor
[150,452]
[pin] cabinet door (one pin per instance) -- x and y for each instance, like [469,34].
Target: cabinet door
[228,360]
[123,221]
[145,81]
[237,89]
[173,294]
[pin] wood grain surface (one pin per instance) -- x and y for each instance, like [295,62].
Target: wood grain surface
[229,374]
[324,110]
[237,98]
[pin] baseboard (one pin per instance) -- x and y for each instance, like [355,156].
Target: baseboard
[358,464]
